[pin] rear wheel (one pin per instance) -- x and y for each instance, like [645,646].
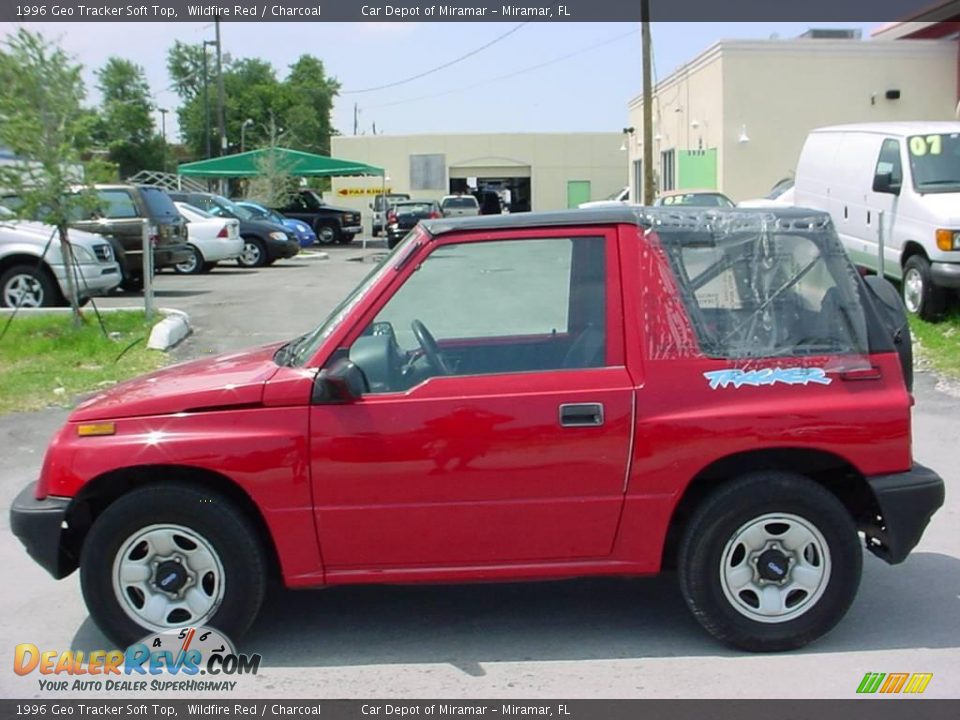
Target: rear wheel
[169,556]
[27,287]
[192,266]
[770,562]
[920,295]
[254,253]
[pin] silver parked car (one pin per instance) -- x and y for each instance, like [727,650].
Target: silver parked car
[28,281]
[459,206]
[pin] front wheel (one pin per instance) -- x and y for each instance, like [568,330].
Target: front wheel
[770,562]
[170,556]
[920,295]
[27,287]
[254,253]
[327,233]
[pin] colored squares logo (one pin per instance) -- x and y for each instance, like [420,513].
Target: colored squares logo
[893,683]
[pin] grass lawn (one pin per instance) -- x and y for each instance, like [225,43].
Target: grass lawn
[939,343]
[44,361]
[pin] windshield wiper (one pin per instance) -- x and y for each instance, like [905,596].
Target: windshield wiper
[287,353]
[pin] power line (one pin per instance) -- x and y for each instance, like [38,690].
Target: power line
[531,68]
[439,67]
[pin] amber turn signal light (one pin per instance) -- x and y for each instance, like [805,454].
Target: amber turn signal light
[94,429]
[948,240]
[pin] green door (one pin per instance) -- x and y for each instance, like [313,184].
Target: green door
[578,191]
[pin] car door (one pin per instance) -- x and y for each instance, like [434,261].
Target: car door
[518,452]
[882,209]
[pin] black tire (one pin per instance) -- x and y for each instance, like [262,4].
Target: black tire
[194,266]
[254,253]
[40,288]
[743,503]
[327,233]
[345,238]
[207,267]
[920,296]
[132,283]
[209,515]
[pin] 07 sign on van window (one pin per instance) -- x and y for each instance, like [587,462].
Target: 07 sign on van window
[929,145]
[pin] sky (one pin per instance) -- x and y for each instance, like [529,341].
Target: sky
[542,77]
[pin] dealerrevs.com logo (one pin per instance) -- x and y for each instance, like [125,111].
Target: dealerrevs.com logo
[894,683]
[170,661]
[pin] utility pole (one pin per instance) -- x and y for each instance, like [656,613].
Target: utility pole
[356,119]
[163,133]
[649,191]
[206,99]
[221,118]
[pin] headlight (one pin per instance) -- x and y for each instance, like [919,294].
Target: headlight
[278,236]
[948,240]
[83,255]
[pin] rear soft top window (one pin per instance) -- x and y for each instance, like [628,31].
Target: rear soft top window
[159,203]
[756,285]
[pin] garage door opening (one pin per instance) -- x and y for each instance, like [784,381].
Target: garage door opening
[514,192]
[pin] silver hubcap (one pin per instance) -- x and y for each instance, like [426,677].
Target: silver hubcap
[775,568]
[168,576]
[23,291]
[251,254]
[913,290]
[326,234]
[189,266]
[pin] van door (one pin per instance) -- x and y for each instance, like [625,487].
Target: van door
[883,201]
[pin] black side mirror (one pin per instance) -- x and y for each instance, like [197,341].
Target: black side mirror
[342,382]
[884,183]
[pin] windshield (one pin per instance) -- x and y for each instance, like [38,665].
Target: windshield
[760,286]
[255,210]
[193,210]
[303,348]
[935,162]
[222,207]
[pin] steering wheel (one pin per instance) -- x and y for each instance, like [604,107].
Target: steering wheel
[431,350]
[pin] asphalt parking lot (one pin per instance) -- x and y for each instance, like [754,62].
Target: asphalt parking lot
[578,639]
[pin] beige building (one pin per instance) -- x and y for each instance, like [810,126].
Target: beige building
[531,171]
[735,117]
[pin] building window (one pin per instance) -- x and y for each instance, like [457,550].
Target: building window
[667,175]
[428,172]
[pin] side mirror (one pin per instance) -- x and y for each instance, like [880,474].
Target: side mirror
[884,183]
[342,382]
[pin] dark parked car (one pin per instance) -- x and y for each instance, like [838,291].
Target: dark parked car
[263,242]
[118,215]
[331,224]
[403,216]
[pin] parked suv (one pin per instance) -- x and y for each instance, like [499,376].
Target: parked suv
[531,396]
[118,215]
[331,224]
[380,206]
[264,242]
[27,281]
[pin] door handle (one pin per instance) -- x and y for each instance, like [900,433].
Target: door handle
[581,415]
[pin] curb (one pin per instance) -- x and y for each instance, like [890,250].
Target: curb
[313,255]
[169,331]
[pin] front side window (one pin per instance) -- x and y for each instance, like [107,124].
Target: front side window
[888,163]
[491,307]
[768,293]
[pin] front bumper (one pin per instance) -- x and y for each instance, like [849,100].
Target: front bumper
[279,249]
[39,526]
[94,278]
[945,274]
[907,502]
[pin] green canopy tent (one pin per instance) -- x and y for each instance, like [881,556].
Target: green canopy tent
[293,162]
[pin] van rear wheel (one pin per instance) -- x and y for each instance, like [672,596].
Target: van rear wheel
[169,556]
[920,295]
[770,562]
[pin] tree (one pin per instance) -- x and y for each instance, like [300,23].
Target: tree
[312,94]
[42,122]
[126,125]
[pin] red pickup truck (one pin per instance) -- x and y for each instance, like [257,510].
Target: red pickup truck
[616,391]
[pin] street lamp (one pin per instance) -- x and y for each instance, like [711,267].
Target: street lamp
[243,133]
[163,133]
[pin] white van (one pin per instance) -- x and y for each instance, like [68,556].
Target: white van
[898,178]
